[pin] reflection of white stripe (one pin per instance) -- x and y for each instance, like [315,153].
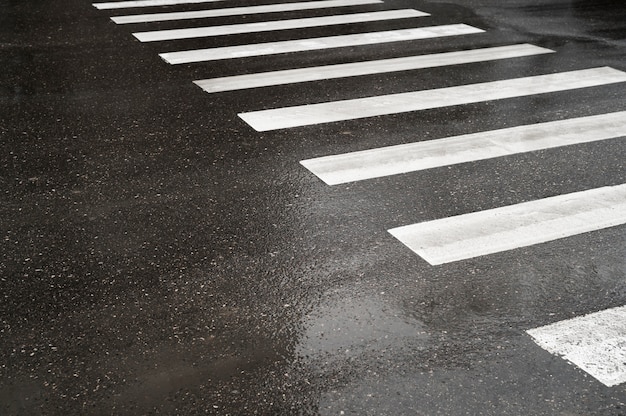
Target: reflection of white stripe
[199,32]
[145,3]
[281,118]
[506,228]
[596,343]
[291,76]
[236,11]
[300,45]
[429,154]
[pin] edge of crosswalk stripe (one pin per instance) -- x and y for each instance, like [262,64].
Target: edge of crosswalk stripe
[412,157]
[333,111]
[310,44]
[275,25]
[145,3]
[595,343]
[291,76]
[506,228]
[236,11]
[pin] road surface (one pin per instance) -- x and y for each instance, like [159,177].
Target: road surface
[322,207]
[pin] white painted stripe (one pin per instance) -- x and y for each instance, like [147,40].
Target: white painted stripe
[300,45]
[317,73]
[327,112]
[145,3]
[237,11]
[506,228]
[596,343]
[199,32]
[411,157]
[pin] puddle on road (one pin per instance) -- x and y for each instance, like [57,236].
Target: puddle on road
[353,325]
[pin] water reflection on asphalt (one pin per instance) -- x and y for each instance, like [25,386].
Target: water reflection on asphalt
[351,326]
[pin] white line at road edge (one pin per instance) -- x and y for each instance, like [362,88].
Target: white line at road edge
[412,157]
[146,3]
[236,11]
[596,343]
[311,44]
[352,69]
[506,228]
[269,26]
[327,112]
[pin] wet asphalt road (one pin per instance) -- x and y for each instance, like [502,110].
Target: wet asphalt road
[159,256]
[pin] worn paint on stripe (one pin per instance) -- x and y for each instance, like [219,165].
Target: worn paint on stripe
[317,73]
[327,112]
[237,11]
[146,3]
[199,32]
[492,231]
[411,157]
[596,343]
[301,45]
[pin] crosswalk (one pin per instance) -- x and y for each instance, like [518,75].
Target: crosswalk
[312,44]
[354,69]
[239,11]
[509,227]
[208,31]
[438,241]
[593,342]
[413,157]
[310,114]
[146,3]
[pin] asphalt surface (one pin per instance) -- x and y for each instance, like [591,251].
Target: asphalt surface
[159,256]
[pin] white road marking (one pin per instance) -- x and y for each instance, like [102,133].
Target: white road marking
[199,32]
[596,343]
[411,157]
[329,42]
[237,11]
[492,231]
[327,112]
[317,73]
[146,3]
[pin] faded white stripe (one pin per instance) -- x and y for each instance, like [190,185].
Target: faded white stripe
[304,115]
[506,228]
[596,343]
[199,32]
[317,73]
[146,3]
[236,11]
[393,160]
[300,45]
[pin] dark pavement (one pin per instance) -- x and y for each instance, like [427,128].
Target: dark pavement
[159,256]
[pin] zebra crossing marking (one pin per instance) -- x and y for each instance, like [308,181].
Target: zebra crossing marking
[506,228]
[145,3]
[596,343]
[264,79]
[310,44]
[411,157]
[327,112]
[237,11]
[199,32]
